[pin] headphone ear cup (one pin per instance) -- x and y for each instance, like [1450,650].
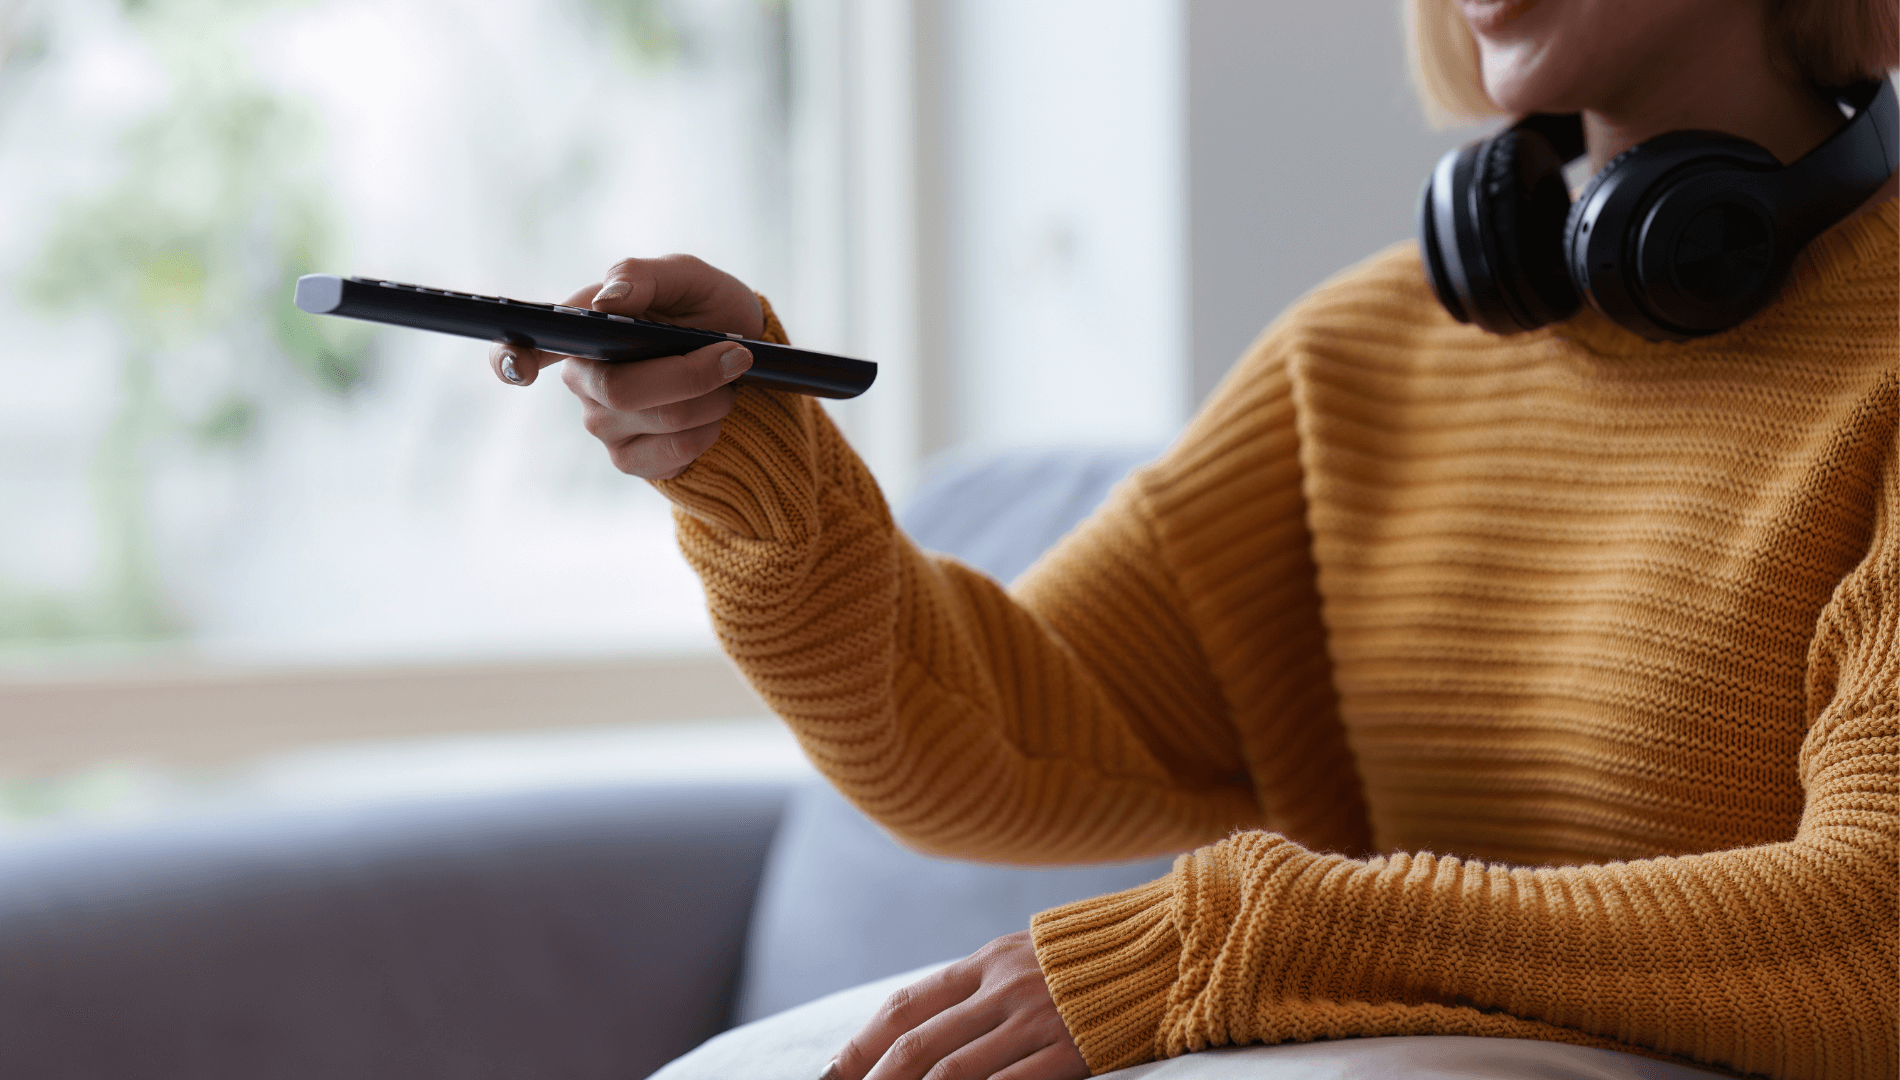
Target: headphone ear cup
[1525,204]
[1438,235]
[1576,249]
[1433,244]
[1491,226]
[1672,240]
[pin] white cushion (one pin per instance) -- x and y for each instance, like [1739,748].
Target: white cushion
[798,1043]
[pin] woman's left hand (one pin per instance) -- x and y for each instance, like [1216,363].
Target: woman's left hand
[987,1015]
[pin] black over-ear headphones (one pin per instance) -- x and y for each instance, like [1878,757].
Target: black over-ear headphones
[1681,236]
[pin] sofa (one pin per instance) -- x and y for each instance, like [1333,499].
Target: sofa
[556,934]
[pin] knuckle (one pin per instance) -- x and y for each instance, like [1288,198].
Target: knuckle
[596,420]
[954,1067]
[583,378]
[673,416]
[909,1054]
[620,395]
[671,451]
[680,448]
[899,1003]
[627,458]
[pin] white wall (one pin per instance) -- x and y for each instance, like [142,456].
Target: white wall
[857,193]
[1115,197]
[1306,149]
[1062,222]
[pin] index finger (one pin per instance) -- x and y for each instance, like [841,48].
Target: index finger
[903,1011]
[518,364]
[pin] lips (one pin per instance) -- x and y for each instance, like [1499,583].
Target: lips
[1484,16]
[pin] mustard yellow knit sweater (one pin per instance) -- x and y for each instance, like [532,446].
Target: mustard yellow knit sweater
[1540,686]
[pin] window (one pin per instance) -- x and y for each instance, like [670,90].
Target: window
[228,529]
[190,461]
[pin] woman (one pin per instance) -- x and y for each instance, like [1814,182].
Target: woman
[1530,686]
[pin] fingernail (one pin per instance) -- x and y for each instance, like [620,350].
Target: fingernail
[734,361]
[508,369]
[831,1071]
[613,290]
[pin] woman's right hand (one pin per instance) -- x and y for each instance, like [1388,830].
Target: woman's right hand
[655,416]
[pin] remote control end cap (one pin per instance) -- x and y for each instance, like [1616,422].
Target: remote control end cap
[319,294]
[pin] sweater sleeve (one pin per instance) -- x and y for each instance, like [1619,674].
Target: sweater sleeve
[1075,718]
[1773,960]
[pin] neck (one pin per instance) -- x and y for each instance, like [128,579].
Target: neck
[1706,88]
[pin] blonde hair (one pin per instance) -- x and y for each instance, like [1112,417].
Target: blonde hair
[1444,64]
[1830,42]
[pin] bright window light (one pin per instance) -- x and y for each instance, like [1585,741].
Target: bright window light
[185,460]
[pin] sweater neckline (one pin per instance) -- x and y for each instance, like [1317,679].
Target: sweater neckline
[1866,244]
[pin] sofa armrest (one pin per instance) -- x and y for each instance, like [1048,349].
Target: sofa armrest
[575,934]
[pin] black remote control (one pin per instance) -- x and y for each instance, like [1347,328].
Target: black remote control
[573,331]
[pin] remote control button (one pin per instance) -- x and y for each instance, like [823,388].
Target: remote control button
[623,318]
[570,310]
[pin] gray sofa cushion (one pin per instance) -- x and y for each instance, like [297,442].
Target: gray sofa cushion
[842,903]
[573,934]
[1000,512]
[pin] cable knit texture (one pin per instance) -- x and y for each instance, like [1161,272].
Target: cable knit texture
[1540,686]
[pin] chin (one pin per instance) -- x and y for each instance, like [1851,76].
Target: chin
[1536,75]
[1519,94]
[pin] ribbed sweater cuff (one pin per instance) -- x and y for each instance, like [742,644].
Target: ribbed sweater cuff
[1110,963]
[756,482]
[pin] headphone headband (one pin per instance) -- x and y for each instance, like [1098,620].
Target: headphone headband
[1848,166]
[1683,235]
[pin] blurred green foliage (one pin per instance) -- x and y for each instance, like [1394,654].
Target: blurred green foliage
[191,251]
[641,30]
[194,246]
[103,792]
[206,230]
